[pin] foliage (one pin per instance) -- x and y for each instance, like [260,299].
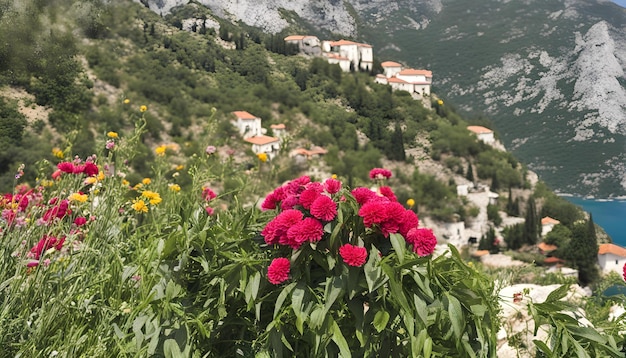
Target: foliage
[581,252]
[493,214]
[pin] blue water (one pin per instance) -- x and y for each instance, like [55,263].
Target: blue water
[610,215]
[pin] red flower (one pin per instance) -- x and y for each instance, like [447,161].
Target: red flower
[289,202]
[208,194]
[409,221]
[80,221]
[278,271]
[270,202]
[363,195]
[296,186]
[275,232]
[209,210]
[56,174]
[624,269]
[388,193]
[58,211]
[353,255]
[423,241]
[90,169]
[309,229]
[308,196]
[380,173]
[324,208]
[332,186]
[46,242]
[66,167]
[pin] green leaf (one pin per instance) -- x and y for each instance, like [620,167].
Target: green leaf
[399,246]
[333,290]
[543,347]
[587,332]
[456,315]
[557,294]
[340,340]
[428,347]
[297,296]
[373,273]
[252,289]
[171,349]
[380,320]
[317,317]
[282,296]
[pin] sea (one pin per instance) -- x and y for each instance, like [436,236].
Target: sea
[608,213]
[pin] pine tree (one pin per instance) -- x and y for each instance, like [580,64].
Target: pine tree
[470,172]
[582,252]
[396,145]
[531,223]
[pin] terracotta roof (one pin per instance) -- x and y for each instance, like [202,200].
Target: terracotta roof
[336,57]
[244,115]
[396,80]
[414,72]
[553,260]
[278,126]
[611,249]
[390,64]
[261,139]
[548,220]
[311,152]
[347,43]
[479,253]
[546,247]
[479,129]
[295,38]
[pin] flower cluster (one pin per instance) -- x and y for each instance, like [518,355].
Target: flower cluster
[88,168]
[208,195]
[307,213]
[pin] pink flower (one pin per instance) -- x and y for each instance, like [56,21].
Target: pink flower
[66,167]
[270,202]
[209,210]
[110,144]
[353,255]
[308,196]
[409,221]
[46,242]
[309,229]
[624,274]
[423,241]
[296,186]
[387,215]
[57,173]
[80,221]
[324,208]
[210,149]
[208,194]
[275,232]
[380,173]
[289,202]
[363,195]
[387,193]
[58,211]
[332,186]
[278,271]
[90,169]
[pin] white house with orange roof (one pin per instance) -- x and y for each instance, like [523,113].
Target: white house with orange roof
[307,44]
[279,130]
[361,55]
[390,68]
[264,144]
[248,124]
[484,134]
[420,79]
[343,62]
[547,224]
[611,257]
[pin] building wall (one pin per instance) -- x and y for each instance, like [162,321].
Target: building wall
[392,71]
[249,128]
[610,262]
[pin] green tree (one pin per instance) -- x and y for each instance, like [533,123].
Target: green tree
[514,236]
[582,252]
[489,242]
[470,171]
[493,215]
[531,223]
[396,145]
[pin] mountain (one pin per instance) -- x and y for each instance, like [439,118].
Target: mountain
[549,74]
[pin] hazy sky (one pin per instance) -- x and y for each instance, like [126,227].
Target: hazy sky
[621,3]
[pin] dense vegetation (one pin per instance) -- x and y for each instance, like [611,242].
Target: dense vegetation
[119,81]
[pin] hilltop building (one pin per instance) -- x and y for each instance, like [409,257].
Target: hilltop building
[360,55]
[264,144]
[484,134]
[414,81]
[611,258]
[249,126]
[547,224]
[309,45]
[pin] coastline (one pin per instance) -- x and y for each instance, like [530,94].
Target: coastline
[609,213]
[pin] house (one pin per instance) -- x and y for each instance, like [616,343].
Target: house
[611,257]
[420,79]
[484,134]
[343,62]
[308,153]
[462,189]
[264,144]
[546,248]
[360,55]
[248,124]
[547,224]
[309,45]
[390,68]
[279,130]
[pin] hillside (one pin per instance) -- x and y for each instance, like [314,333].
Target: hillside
[552,65]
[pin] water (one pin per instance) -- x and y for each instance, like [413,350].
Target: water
[609,214]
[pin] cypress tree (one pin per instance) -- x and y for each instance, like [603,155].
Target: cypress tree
[470,172]
[531,223]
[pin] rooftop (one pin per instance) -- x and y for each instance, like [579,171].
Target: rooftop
[347,43]
[479,129]
[549,221]
[414,72]
[546,247]
[244,115]
[611,249]
[261,139]
[390,64]
[278,126]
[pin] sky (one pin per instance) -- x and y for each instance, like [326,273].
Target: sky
[621,3]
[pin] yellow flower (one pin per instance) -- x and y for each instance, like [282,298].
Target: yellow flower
[47,183]
[57,153]
[100,175]
[125,182]
[160,150]
[126,101]
[112,134]
[153,197]
[180,167]
[90,180]
[143,108]
[138,186]
[262,157]
[334,176]
[410,203]
[146,181]
[174,187]
[140,206]
[440,102]
[78,197]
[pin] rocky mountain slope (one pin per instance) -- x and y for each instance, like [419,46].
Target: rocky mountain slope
[550,74]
